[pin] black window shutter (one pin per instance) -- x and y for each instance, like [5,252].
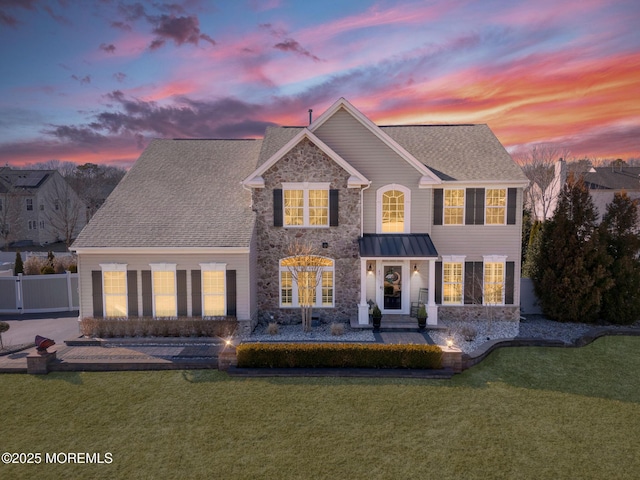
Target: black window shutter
[333,208]
[470,206]
[511,206]
[479,214]
[196,293]
[277,207]
[231,292]
[96,287]
[473,283]
[147,296]
[509,287]
[438,290]
[438,202]
[181,280]
[132,293]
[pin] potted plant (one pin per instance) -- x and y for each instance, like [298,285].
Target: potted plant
[376,316]
[422,317]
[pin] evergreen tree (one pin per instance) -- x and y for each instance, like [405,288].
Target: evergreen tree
[527,225]
[18,266]
[533,251]
[572,266]
[621,304]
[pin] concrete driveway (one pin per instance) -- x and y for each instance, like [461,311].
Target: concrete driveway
[24,328]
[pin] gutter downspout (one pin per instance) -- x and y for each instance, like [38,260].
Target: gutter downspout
[362,208]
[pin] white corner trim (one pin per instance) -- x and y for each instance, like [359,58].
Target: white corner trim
[253,179]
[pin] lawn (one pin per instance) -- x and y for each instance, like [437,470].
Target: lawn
[522,413]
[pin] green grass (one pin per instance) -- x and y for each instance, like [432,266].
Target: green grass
[522,413]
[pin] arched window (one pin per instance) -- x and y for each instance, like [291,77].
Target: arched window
[393,209]
[311,277]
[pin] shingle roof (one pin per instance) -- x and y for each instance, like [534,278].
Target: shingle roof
[180,193]
[452,152]
[458,152]
[274,139]
[627,178]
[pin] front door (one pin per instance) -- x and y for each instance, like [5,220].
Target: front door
[392,287]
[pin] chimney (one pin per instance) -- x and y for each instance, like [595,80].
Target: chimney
[310,116]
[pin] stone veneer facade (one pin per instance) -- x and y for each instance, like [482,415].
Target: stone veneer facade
[307,163]
[478,312]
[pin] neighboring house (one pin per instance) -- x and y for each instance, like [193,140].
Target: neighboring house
[603,183]
[202,227]
[38,207]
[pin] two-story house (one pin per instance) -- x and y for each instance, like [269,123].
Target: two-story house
[202,227]
[38,207]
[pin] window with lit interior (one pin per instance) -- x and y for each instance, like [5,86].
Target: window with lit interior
[311,282]
[495,206]
[213,289]
[306,204]
[454,206]
[114,289]
[165,299]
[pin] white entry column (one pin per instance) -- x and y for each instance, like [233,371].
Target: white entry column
[432,308]
[363,306]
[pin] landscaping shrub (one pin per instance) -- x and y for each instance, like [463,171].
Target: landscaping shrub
[337,329]
[341,355]
[33,265]
[272,328]
[152,327]
[18,266]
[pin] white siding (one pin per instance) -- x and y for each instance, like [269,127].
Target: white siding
[238,262]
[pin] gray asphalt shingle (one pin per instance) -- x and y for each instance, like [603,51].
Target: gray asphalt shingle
[180,193]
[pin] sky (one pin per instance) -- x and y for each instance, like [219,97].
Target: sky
[96,80]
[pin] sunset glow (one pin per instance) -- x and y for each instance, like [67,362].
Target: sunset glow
[95,81]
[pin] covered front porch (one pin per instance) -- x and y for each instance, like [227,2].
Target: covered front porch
[397,273]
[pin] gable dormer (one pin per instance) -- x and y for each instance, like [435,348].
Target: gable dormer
[368,148]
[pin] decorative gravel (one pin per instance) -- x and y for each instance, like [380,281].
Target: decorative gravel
[531,327]
[294,333]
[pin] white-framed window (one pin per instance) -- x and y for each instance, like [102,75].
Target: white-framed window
[114,289]
[494,279]
[305,204]
[452,279]
[164,289]
[214,289]
[29,204]
[33,225]
[41,224]
[454,206]
[41,206]
[393,207]
[495,206]
[294,287]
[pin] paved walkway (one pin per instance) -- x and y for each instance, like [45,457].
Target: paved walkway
[149,354]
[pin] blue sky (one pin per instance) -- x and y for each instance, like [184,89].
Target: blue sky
[94,81]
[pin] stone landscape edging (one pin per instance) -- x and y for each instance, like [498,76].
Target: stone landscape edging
[475,357]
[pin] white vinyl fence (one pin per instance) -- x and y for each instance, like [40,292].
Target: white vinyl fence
[39,293]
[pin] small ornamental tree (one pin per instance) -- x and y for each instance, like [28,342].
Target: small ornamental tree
[572,265]
[621,304]
[305,267]
[19,266]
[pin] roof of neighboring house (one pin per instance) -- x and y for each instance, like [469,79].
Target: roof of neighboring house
[613,178]
[180,193]
[452,152]
[26,179]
